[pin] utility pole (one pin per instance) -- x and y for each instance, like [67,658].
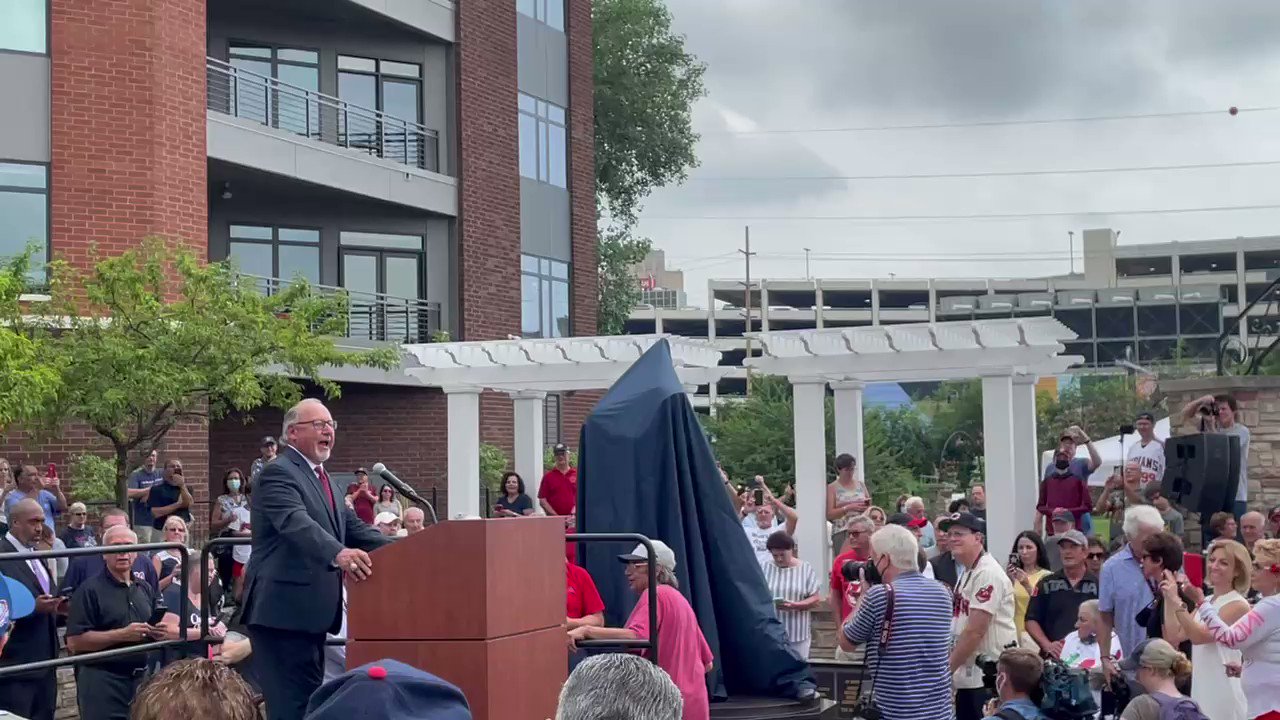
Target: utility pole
[807,275]
[746,255]
[1071,251]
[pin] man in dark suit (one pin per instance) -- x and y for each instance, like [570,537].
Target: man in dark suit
[303,542]
[31,694]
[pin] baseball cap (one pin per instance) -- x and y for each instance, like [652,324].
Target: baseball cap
[361,471]
[663,554]
[560,449]
[388,689]
[1145,416]
[268,440]
[386,516]
[1064,516]
[16,602]
[1072,536]
[964,520]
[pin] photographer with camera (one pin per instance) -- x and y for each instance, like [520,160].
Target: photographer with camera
[1217,414]
[903,620]
[1017,675]
[983,623]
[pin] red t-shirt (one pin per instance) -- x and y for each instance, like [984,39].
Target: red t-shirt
[581,596]
[570,548]
[838,584]
[560,490]
[362,503]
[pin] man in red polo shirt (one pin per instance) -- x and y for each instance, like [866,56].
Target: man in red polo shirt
[558,493]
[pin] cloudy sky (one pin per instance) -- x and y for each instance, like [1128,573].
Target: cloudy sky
[785,67]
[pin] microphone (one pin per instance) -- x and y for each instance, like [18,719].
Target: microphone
[404,489]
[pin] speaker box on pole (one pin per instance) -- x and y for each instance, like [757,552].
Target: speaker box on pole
[1202,471]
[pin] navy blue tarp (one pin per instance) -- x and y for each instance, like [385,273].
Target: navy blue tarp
[646,467]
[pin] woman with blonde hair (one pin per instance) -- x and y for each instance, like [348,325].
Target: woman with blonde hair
[1228,574]
[1159,667]
[167,561]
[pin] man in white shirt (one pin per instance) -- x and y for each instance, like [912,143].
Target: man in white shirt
[764,523]
[1148,452]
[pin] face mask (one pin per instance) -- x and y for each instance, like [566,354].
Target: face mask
[1062,463]
[234,485]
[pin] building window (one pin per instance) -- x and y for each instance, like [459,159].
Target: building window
[390,87]
[550,12]
[544,297]
[24,214]
[542,141]
[24,25]
[283,253]
[553,419]
[289,105]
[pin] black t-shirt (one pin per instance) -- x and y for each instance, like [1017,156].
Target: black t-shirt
[1152,617]
[162,494]
[1055,603]
[79,537]
[517,506]
[173,602]
[103,603]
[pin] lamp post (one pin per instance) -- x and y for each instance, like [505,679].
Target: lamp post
[942,454]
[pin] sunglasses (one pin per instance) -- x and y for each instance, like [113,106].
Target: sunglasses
[1097,556]
[80,513]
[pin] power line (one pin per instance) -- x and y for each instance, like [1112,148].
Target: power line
[980,216]
[993,173]
[991,123]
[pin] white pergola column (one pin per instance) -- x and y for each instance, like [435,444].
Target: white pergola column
[529,439]
[1000,462]
[810,444]
[1026,450]
[848,395]
[464,451]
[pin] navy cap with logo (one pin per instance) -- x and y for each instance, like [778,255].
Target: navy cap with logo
[387,689]
[964,520]
[560,449]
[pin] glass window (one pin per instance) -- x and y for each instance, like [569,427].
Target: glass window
[22,25]
[276,252]
[530,317]
[556,174]
[300,236]
[559,309]
[299,261]
[288,104]
[544,297]
[252,258]
[528,146]
[400,99]
[550,12]
[347,62]
[543,152]
[409,70]
[251,232]
[381,240]
[24,214]
[308,57]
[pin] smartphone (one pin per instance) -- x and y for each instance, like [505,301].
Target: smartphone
[1013,560]
[157,614]
[53,471]
[777,602]
[758,496]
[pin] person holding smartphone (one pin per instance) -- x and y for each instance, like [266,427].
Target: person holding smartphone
[108,611]
[764,525]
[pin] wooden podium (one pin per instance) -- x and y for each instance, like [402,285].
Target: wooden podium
[481,603]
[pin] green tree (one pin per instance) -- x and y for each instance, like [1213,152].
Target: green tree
[154,337]
[493,462]
[645,87]
[1098,404]
[28,380]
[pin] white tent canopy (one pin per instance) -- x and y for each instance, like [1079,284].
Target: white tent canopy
[1111,451]
[1007,354]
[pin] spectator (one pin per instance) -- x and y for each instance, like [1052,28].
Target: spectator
[170,498]
[110,611]
[876,513]
[222,515]
[195,689]
[1222,525]
[387,502]
[414,520]
[1027,567]
[1056,602]
[360,496]
[584,606]
[1018,673]
[1173,522]
[914,507]
[912,680]
[1065,483]
[44,490]
[34,638]
[1122,589]
[916,527]
[765,525]
[388,523]
[514,502]
[1122,491]
[1218,694]
[241,527]
[49,541]
[6,485]
[847,496]
[978,501]
[1160,669]
[1097,555]
[619,687]
[946,569]
[558,492]
[1162,553]
[387,689]
[1063,520]
[167,562]
[795,590]
[267,453]
[984,624]
[1148,452]
[1257,634]
[1080,647]
[171,621]
[682,650]
[1252,529]
[858,543]
[77,534]
[1273,522]
[140,481]
[85,567]
[1219,412]
[958,505]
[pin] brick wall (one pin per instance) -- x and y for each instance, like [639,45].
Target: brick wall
[582,183]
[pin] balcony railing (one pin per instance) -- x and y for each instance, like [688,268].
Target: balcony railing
[248,95]
[373,316]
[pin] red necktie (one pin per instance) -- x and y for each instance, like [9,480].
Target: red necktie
[328,489]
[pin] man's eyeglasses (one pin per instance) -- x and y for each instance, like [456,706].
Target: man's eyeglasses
[319,425]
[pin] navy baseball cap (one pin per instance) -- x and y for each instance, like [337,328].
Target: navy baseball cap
[16,602]
[387,689]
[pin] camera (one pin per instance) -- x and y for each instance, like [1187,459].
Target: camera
[989,670]
[852,569]
[1211,409]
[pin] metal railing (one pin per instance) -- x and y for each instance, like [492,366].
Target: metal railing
[245,94]
[372,316]
[1239,357]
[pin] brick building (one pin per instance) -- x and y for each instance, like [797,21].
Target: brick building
[432,157]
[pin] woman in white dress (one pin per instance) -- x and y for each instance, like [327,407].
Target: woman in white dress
[1228,574]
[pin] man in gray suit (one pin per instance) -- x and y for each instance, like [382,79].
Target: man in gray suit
[304,539]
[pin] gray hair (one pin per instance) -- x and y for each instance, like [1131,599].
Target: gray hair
[899,545]
[291,417]
[1139,517]
[619,687]
[667,577]
[913,500]
[864,521]
[113,532]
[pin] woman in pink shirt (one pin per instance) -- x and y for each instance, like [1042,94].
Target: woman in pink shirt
[682,650]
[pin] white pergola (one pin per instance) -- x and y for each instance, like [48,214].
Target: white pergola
[527,370]
[1009,355]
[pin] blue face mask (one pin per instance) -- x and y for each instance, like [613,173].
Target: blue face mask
[234,484]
